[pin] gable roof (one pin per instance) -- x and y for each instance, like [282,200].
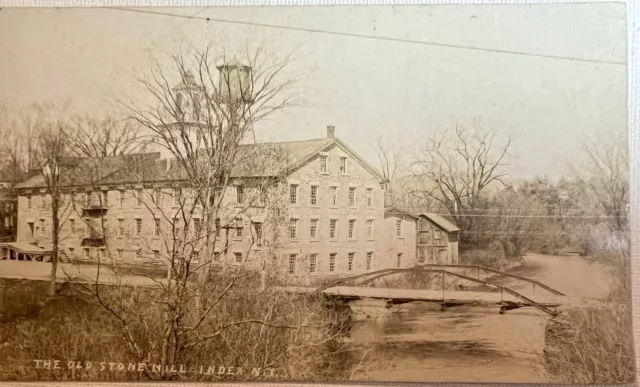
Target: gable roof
[394,211]
[105,171]
[281,158]
[440,221]
[252,160]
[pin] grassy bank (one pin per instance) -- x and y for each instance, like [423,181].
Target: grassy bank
[594,345]
[75,327]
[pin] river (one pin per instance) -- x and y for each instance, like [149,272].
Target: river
[417,342]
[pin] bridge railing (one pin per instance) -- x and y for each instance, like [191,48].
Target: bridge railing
[420,267]
[372,276]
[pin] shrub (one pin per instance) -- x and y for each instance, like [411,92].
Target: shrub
[74,327]
[594,345]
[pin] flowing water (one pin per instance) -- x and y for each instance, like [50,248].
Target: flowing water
[416,342]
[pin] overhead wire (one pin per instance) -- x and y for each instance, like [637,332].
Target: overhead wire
[370,37]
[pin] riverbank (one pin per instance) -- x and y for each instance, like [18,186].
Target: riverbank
[419,343]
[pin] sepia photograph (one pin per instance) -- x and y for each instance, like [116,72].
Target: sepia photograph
[415,193]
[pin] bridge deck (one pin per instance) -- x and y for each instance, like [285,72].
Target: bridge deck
[452,296]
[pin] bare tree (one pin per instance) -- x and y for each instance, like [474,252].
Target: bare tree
[17,142]
[605,171]
[93,137]
[52,149]
[459,165]
[390,159]
[203,124]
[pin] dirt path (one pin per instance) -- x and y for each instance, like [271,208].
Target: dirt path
[473,344]
[573,276]
[40,271]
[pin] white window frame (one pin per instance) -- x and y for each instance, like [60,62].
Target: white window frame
[399,260]
[333,194]
[352,229]
[313,229]
[313,263]
[352,196]
[343,165]
[399,228]
[121,198]
[257,229]
[293,193]
[332,262]
[350,259]
[369,262]
[291,263]
[239,229]
[324,163]
[293,228]
[138,226]
[369,197]
[239,195]
[333,228]
[314,195]
[370,228]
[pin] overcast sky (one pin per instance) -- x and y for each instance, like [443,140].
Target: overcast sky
[366,88]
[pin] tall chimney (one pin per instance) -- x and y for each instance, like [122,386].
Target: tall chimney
[331,131]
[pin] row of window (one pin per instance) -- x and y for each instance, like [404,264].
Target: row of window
[324,164]
[237,228]
[333,228]
[101,254]
[313,266]
[101,198]
[332,194]
[351,257]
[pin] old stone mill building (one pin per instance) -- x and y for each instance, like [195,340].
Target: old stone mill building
[332,219]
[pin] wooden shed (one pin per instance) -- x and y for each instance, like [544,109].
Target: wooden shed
[436,239]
